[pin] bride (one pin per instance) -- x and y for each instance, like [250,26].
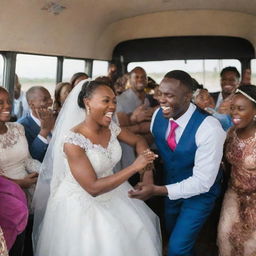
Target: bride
[88,211]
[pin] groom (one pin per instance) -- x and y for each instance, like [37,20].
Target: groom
[190,142]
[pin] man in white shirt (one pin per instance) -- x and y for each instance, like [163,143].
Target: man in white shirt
[229,81]
[190,143]
[20,106]
[40,122]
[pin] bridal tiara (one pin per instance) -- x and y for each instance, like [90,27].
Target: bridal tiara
[246,95]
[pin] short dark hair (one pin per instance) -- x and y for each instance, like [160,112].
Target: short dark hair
[57,91]
[182,76]
[137,68]
[88,89]
[196,85]
[230,69]
[76,76]
[31,91]
[250,90]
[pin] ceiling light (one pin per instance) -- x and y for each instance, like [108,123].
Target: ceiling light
[53,7]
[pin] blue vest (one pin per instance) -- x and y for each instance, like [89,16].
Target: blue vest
[178,164]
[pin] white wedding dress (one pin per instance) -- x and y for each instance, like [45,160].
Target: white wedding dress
[111,224]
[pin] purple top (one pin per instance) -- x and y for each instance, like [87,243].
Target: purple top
[13,210]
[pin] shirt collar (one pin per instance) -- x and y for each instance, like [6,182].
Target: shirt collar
[182,121]
[38,122]
[219,100]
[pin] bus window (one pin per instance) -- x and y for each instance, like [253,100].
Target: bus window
[1,69]
[99,68]
[206,72]
[36,70]
[253,71]
[70,67]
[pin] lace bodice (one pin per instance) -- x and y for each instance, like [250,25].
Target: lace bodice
[15,160]
[102,159]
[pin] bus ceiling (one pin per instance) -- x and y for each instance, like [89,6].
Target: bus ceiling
[184,48]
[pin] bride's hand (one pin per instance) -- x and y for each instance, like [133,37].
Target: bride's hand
[145,158]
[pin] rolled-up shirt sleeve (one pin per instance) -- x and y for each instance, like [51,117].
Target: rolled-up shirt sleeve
[210,138]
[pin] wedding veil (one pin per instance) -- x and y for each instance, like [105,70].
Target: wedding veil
[53,166]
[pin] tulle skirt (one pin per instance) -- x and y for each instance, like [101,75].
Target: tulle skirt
[112,224]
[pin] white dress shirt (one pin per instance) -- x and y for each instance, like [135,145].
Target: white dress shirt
[209,139]
[219,101]
[38,122]
[20,106]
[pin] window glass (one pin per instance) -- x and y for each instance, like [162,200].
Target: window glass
[99,68]
[36,70]
[206,72]
[1,69]
[72,66]
[253,71]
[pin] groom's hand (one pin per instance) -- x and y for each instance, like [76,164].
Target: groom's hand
[142,191]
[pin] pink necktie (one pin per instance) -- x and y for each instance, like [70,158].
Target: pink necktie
[171,137]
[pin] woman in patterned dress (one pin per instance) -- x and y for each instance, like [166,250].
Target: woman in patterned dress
[237,226]
[16,163]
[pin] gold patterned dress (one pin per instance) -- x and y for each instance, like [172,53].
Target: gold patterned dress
[237,226]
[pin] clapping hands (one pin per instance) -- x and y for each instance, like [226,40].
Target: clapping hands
[47,118]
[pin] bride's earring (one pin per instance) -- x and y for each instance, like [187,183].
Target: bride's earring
[88,110]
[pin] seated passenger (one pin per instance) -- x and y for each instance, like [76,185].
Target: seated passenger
[246,77]
[120,85]
[150,90]
[77,77]
[40,122]
[112,72]
[62,91]
[15,161]
[20,104]
[229,82]
[203,100]
[134,112]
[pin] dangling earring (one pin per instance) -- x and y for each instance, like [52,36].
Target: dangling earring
[88,110]
[254,118]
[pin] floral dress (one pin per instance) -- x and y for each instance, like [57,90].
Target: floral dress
[237,226]
[15,159]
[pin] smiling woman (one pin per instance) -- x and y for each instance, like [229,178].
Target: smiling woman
[51,40]
[16,162]
[88,186]
[237,227]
